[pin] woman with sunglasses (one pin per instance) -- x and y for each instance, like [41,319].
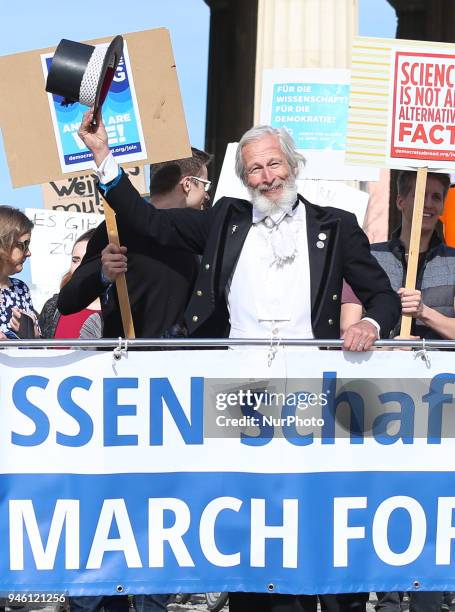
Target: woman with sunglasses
[17,315]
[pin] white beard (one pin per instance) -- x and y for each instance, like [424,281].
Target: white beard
[269,207]
[280,235]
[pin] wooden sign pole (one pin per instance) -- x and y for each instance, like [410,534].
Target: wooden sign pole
[120,283]
[414,245]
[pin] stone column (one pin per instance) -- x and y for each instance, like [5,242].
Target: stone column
[423,20]
[230,92]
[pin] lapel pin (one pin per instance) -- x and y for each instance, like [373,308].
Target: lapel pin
[234,228]
[320,244]
[322,236]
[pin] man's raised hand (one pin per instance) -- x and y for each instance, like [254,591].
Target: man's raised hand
[94,136]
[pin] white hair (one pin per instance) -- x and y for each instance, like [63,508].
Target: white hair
[293,157]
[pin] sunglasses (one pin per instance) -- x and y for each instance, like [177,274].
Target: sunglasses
[207,184]
[22,245]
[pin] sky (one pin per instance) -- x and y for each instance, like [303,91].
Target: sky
[377,18]
[30,24]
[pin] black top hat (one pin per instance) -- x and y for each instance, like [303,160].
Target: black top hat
[83,73]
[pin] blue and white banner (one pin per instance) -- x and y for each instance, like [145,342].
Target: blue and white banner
[120,116]
[172,471]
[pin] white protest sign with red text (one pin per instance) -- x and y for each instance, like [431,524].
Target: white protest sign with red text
[422,109]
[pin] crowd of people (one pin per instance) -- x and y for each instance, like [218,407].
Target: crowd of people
[275,267]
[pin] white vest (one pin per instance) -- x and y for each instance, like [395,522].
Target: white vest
[269,301]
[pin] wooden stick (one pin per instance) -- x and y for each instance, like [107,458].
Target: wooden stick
[120,283]
[414,245]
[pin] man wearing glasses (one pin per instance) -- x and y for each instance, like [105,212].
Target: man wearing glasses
[181,183]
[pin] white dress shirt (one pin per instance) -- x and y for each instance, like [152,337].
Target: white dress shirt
[266,299]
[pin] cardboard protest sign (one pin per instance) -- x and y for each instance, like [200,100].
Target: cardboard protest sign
[312,104]
[27,126]
[53,237]
[402,104]
[80,194]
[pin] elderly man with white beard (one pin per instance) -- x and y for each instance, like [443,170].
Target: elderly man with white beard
[270,268]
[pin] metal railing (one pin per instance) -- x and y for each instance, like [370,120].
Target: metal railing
[214,342]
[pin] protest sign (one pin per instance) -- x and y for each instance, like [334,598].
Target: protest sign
[422,110]
[80,193]
[402,107]
[120,116]
[159,476]
[28,129]
[402,115]
[312,104]
[53,237]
